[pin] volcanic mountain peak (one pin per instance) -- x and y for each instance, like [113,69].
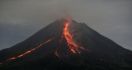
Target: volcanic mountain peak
[67,43]
[63,33]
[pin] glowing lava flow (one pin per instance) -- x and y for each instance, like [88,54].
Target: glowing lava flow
[74,48]
[29,51]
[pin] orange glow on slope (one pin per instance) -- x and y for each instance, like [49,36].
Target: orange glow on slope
[29,51]
[74,48]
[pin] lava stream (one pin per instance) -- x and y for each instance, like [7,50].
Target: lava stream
[29,51]
[74,48]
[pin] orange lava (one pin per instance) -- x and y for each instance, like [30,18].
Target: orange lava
[29,51]
[74,48]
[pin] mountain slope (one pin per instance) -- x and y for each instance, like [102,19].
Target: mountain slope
[66,44]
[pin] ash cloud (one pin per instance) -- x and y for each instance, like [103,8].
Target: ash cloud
[19,19]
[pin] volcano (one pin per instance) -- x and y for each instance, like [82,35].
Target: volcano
[66,45]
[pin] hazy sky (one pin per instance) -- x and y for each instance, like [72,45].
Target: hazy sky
[19,19]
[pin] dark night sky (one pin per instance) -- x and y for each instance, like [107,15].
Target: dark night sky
[19,19]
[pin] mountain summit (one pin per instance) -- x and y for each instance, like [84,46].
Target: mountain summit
[66,45]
